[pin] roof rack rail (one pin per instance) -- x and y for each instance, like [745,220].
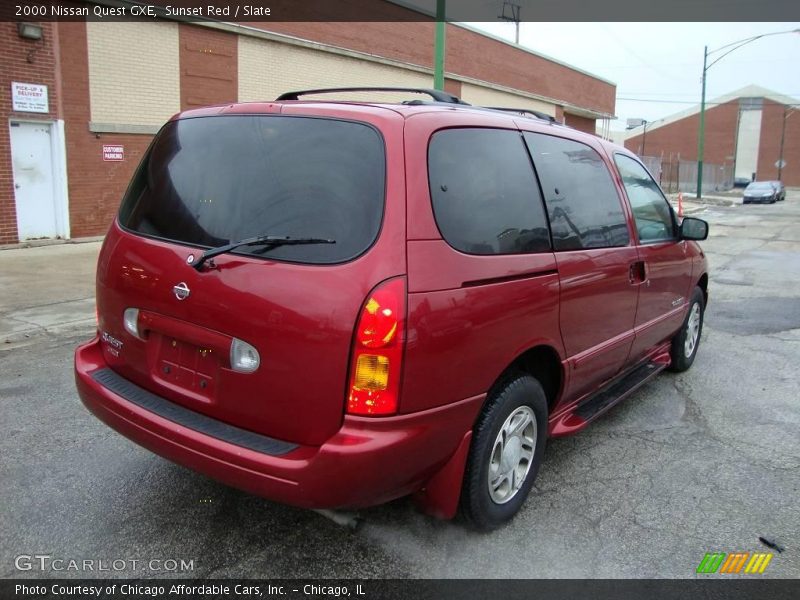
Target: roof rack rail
[526,111]
[437,95]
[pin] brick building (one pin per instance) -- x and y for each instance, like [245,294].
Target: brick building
[743,129]
[83,102]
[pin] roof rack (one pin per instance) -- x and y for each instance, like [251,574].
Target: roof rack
[437,95]
[526,111]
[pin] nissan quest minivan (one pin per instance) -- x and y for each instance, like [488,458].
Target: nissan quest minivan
[336,304]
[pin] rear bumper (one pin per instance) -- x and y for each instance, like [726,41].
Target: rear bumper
[368,461]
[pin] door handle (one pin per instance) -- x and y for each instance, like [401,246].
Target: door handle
[637,273]
[632,273]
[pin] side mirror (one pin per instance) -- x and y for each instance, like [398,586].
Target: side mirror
[694,229]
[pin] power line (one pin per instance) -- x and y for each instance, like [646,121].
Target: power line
[680,101]
[666,101]
[683,94]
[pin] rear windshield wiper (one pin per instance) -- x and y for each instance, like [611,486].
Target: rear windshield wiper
[268,241]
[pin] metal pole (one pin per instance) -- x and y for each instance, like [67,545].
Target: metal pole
[702,133]
[671,173]
[438,59]
[736,139]
[644,136]
[783,137]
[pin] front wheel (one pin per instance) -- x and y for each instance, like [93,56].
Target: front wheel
[687,340]
[507,448]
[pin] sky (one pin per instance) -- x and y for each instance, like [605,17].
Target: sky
[657,67]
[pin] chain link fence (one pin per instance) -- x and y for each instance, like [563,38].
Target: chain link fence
[677,175]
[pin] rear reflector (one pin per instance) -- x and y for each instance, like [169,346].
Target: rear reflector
[377,355]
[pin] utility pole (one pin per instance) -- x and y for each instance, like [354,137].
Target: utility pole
[644,136]
[701,138]
[514,18]
[438,58]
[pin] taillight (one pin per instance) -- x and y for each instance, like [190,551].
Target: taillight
[378,351]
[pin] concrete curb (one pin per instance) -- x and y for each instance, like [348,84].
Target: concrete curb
[718,201]
[706,200]
[689,208]
[51,242]
[12,340]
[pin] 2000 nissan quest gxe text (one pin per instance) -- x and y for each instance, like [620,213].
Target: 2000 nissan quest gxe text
[336,304]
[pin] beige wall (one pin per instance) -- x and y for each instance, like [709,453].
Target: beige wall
[483,96]
[267,69]
[134,75]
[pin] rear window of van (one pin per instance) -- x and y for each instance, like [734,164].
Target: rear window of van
[210,181]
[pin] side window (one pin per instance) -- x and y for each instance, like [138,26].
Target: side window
[484,192]
[584,207]
[651,211]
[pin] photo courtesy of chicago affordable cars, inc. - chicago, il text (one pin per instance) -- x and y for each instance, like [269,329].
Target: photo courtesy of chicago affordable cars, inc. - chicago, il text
[399,298]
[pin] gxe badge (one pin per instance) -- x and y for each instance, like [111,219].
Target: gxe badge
[181,291]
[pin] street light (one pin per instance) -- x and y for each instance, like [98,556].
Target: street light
[701,136]
[438,47]
[633,124]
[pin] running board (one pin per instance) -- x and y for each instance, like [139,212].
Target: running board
[618,389]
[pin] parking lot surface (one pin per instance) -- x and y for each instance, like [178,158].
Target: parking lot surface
[704,461]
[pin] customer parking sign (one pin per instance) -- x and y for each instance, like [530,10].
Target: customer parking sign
[113,153]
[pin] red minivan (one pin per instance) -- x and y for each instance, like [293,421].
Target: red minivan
[335,304]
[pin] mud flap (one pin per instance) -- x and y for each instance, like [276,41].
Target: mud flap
[439,498]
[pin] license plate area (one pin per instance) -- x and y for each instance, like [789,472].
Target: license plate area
[189,367]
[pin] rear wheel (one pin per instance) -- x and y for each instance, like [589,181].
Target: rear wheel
[687,340]
[507,447]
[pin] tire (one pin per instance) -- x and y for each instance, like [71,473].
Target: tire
[683,351]
[517,401]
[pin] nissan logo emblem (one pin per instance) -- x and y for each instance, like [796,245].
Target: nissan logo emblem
[181,291]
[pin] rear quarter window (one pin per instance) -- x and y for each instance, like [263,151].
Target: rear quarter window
[484,192]
[209,181]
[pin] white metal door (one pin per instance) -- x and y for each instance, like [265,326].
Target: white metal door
[34,191]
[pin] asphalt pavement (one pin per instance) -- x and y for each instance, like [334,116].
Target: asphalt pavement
[704,461]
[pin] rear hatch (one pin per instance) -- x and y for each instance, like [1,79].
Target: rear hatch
[212,180]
